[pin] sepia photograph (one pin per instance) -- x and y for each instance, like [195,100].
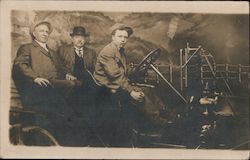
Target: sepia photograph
[125,79]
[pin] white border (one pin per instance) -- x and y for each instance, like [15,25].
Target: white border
[9,151]
[215,7]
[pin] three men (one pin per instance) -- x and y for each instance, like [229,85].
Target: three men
[111,72]
[44,77]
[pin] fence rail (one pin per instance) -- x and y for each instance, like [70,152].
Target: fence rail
[227,71]
[205,66]
[222,71]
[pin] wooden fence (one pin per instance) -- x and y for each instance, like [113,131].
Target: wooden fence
[228,71]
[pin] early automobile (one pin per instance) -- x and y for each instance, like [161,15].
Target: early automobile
[191,105]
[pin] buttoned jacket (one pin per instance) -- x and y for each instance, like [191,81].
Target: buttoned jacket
[34,61]
[66,59]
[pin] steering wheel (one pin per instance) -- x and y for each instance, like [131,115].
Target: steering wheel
[147,60]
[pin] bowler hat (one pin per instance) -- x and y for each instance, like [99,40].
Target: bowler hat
[80,31]
[34,25]
[121,26]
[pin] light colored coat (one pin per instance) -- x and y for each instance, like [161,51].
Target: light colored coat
[111,70]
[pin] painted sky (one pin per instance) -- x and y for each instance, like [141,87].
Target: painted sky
[225,36]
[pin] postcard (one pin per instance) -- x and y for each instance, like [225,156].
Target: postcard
[124,79]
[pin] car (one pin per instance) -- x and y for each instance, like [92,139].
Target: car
[200,114]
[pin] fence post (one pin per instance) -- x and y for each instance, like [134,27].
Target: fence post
[181,69]
[186,57]
[227,71]
[239,69]
[171,72]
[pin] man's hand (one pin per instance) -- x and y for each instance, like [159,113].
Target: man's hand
[138,96]
[42,82]
[209,100]
[70,77]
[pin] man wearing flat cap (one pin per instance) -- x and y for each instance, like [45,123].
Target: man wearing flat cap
[76,62]
[35,75]
[111,72]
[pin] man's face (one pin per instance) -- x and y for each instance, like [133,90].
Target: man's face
[41,33]
[78,41]
[120,38]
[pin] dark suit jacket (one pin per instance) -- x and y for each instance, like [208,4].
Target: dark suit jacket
[111,70]
[66,59]
[33,61]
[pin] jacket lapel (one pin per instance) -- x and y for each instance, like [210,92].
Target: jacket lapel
[123,60]
[86,57]
[119,57]
[41,49]
[71,57]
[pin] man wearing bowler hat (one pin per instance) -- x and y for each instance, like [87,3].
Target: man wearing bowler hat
[76,62]
[42,91]
[111,72]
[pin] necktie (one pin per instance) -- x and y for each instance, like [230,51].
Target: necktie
[79,52]
[121,50]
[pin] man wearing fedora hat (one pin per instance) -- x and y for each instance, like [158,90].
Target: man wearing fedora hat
[75,60]
[111,72]
[37,80]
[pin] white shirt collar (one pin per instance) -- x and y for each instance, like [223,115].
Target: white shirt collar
[42,45]
[79,51]
[78,48]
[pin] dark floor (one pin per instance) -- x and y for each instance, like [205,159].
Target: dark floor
[231,131]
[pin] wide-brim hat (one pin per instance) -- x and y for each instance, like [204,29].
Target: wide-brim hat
[79,31]
[34,25]
[121,26]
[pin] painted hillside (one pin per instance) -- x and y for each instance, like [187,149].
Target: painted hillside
[226,36]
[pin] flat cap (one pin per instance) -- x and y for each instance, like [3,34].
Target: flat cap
[34,25]
[121,26]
